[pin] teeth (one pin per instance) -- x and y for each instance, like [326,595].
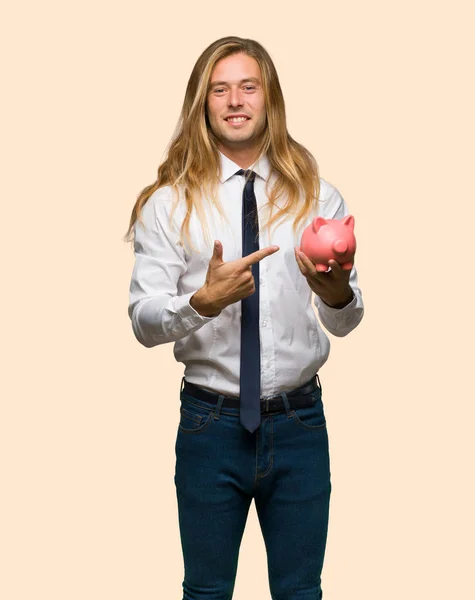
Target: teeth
[237,119]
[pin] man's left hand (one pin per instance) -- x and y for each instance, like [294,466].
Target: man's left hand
[331,286]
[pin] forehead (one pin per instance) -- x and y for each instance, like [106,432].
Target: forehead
[233,69]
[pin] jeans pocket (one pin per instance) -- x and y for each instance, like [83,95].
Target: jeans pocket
[193,418]
[310,417]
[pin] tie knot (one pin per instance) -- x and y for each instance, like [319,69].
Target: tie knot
[251,173]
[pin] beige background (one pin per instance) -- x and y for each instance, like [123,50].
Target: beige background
[382,94]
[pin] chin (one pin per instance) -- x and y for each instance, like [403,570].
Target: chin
[237,137]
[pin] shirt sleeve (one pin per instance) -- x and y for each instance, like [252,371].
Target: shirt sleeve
[340,321]
[157,313]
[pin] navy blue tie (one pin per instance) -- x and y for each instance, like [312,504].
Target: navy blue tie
[250,377]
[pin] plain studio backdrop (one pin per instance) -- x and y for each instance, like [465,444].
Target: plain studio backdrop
[382,94]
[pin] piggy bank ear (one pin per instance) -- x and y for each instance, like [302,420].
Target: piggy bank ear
[317,223]
[349,221]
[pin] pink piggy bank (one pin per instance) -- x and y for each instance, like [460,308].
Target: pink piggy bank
[326,239]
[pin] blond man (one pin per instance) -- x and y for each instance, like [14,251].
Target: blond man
[218,271]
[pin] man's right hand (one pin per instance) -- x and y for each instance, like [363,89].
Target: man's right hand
[227,282]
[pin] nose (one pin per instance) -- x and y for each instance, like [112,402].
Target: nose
[235,97]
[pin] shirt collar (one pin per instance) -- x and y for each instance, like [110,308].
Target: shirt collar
[229,168]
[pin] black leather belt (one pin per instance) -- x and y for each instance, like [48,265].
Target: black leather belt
[298,398]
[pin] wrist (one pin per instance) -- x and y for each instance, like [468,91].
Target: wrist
[341,302]
[201,303]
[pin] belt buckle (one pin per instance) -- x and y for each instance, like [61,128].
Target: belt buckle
[266,403]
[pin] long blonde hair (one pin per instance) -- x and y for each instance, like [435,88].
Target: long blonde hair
[193,159]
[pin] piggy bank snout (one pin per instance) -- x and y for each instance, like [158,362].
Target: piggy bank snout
[340,246]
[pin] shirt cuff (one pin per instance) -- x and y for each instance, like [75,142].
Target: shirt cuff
[337,315]
[187,313]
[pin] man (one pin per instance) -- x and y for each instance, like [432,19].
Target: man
[252,423]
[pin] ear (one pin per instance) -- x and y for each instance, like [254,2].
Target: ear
[317,223]
[349,221]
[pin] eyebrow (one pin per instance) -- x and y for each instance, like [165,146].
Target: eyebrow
[253,79]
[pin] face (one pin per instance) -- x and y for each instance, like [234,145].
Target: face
[236,89]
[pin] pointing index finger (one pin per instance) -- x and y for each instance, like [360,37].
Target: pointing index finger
[258,255]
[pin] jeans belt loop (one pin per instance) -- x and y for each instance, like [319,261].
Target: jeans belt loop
[319,384]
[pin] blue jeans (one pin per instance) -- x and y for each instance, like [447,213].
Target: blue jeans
[284,465]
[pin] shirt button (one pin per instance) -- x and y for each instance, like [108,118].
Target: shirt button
[264,323]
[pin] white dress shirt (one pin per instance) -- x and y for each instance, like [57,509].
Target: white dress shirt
[293,343]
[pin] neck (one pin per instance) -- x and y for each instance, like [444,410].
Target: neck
[244,157]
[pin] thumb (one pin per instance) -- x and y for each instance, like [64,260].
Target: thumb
[217,256]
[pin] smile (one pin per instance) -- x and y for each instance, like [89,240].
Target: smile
[237,121]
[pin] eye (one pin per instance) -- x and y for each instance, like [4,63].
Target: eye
[252,87]
[219,90]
